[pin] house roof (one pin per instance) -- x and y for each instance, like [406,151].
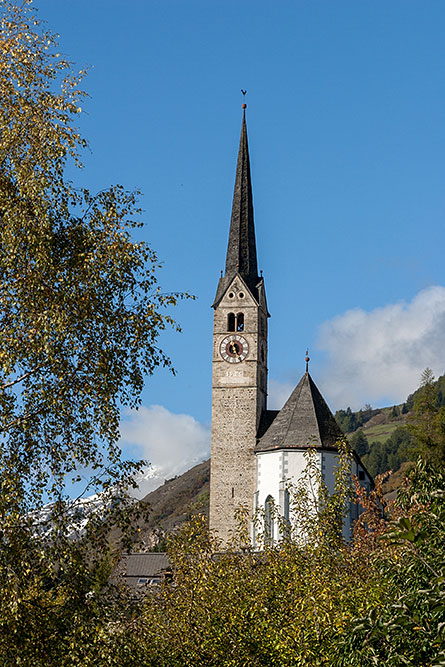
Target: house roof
[304,421]
[143,564]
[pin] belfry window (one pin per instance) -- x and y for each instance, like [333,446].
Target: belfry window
[231,322]
[235,322]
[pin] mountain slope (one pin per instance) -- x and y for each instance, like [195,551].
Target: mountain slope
[174,502]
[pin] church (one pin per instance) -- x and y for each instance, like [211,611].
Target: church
[257,453]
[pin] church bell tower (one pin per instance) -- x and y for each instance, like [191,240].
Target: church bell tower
[239,385]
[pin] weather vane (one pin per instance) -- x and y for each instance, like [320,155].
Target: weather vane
[307,360]
[244,92]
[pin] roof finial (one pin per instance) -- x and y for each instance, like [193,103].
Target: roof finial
[244,92]
[307,360]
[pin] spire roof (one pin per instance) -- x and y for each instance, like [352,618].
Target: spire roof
[241,249]
[241,255]
[304,421]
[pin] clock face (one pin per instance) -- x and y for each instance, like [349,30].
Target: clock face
[234,349]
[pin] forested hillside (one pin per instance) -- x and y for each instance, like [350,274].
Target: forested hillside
[384,437]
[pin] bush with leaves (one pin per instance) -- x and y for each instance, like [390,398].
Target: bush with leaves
[285,604]
[407,627]
[311,599]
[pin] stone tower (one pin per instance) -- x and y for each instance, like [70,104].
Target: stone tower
[239,386]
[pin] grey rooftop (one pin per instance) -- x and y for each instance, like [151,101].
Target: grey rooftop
[304,421]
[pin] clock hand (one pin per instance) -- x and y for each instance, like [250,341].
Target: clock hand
[234,349]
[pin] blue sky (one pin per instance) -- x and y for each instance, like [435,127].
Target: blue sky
[347,141]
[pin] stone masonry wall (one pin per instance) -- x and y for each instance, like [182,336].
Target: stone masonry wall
[238,398]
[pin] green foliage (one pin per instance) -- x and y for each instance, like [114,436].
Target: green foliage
[440,396]
[427,424]
[395,412]
[389,455]
[57,604]
[81,308]
[408,628]
[350,421]
[397,448]
[284,605]
[359,443]
[376,461]
[80,319]
[347,420]
[311,599]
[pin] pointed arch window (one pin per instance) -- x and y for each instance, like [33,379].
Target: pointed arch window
[286,505]
[231,322]
[269,506]
[286,514]
[240,322]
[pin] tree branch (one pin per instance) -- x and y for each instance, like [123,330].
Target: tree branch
[19,419]
[21,378]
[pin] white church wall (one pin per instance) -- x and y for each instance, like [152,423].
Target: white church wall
[276,470]
[276,467]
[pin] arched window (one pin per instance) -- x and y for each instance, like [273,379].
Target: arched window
[286,514]
[269,506]
[286,505]
[231,322]
[240,322]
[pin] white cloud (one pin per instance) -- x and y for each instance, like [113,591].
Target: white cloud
[171,443]
[278,393]
[380,355]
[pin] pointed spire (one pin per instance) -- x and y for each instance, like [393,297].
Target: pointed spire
[241,249]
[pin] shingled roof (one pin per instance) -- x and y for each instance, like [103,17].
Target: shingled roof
[241,255]
[304,421]
[139,569]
